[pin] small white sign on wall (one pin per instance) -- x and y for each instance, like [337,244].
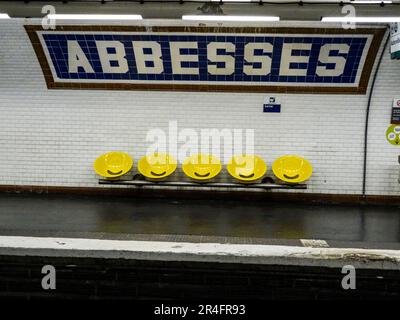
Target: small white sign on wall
[395,40]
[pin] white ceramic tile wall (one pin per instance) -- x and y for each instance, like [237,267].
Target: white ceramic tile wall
[51,137]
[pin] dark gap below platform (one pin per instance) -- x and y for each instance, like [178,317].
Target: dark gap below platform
[88,278]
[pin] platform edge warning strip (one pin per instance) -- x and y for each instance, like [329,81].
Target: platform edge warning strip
[201,252]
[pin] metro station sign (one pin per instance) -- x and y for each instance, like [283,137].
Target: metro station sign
[304,60]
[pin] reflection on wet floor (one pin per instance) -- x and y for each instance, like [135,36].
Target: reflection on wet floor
[199,217]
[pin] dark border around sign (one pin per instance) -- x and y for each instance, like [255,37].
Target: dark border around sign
[377,33]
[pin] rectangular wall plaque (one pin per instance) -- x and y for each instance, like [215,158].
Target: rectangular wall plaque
[395,40]
[395,118]
[303,60]
[271,105]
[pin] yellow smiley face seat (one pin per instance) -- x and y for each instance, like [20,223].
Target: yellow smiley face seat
[292,169]
[247,168]
[157,166]
[201,167]
[113,164]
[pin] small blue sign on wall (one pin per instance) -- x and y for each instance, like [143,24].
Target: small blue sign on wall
[271,105]
[272,108]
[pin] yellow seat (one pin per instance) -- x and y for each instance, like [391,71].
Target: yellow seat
[247,168]
[201,167]
[293,169]
[157,166]
[113,164]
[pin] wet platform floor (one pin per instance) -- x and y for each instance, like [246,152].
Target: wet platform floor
[199,220]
